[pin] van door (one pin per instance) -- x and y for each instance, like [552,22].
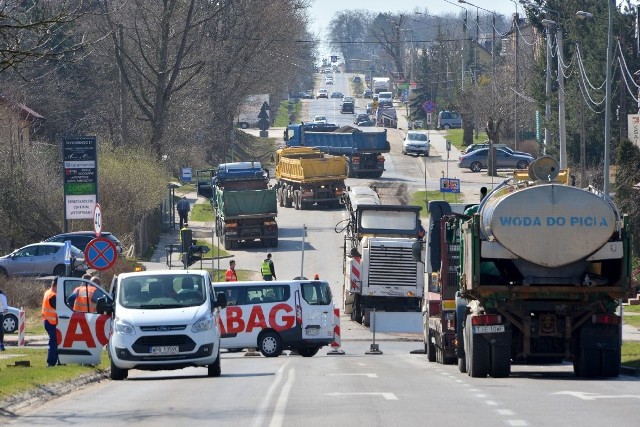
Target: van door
[82,332]
[314,310]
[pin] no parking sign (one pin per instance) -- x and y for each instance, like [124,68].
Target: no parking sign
[101,253]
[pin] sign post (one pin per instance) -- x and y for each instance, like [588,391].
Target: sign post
[80,168]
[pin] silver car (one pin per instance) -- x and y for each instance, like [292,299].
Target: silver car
[10,320]
[41,259]
[416,142]
[477,160]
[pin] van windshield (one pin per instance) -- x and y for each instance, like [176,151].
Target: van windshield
[162,291]
[316,293]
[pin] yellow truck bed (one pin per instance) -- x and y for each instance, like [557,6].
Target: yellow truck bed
[309,165]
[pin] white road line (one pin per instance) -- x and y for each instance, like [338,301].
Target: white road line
[258,418]
[365,375]
[386,396]
[506,412]
[517,423]
[277,419]
[491,402]
[481,396]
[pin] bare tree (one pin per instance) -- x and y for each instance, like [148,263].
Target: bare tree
[386,29]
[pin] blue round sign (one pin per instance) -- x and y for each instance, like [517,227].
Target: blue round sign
[429,106]
[100,253]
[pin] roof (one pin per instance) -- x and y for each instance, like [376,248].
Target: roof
[24,112]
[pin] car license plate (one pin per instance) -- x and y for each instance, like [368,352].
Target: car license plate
[165,349]
[313,331]
[491,329]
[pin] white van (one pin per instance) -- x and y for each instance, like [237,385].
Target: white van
[386,96]
[165,319]
[276,316]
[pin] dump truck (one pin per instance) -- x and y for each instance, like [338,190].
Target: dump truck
[203,182]
[378,266]
[306,176]
[534,273]
[363,150]
[245,207]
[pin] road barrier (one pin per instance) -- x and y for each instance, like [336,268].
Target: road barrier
[335,345]
[21,324]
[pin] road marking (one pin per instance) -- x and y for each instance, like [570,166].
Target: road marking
[593,396]
[386,396]
[491,402]
[262,409]
[277,419]
[365,375]
[517,423]
[481,396]
[505,412]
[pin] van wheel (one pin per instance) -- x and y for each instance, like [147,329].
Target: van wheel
[118,374]
[308,352]
[214,369]
[270,344]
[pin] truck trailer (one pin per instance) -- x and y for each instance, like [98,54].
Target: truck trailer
[533,274]
[362,150]
[245,207]
[306,176]
[378,266]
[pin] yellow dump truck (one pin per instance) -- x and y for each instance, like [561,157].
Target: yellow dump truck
[306,176]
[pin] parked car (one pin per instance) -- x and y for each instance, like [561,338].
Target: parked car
[416,142]
[477,146]
[80,239]
[347,107]
[361,117]
[477,160]
[336,95]
[368,93]
[366,123]
[41,259]
[322,93]
[10,321]
[320,119]
[449,120]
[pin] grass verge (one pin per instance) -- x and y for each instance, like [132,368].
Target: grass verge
[631,354]
[419,198]
[201,212]
[282,118]
[455,136]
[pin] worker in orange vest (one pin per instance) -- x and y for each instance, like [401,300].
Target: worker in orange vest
[84,298]
[231,275]
[50,320]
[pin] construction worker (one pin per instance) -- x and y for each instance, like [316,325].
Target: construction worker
[316,276]
[50,320]
[267,269]
[231,275]
[84,298]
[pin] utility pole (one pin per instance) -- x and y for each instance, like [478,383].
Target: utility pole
[561,122]
[547,103]
[515,82]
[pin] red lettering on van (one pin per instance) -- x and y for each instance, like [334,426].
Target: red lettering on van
[235,324]
[84,335]
[256,319]
[101,321]
[288,321]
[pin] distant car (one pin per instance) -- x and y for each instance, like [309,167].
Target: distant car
[10,321]
[477,160]
[368,93]
[80,239]
[41,259]
[306,95]
[366,123]
[369,108]
[348,98]
[477,146]
[328,80]
[449,120]
[416,142]
[322,93]
[357,79]
[320,119]
[336,94]
[347,107]
[361,117]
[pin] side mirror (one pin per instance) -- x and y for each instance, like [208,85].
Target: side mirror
[104,305]
[416,251]
[221,300]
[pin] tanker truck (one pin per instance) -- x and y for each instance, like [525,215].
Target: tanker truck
[379,271]
[531,274]
[362,150]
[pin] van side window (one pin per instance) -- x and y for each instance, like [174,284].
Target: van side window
[316,293]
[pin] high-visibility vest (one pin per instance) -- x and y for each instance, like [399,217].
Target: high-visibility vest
[231,276]
[48,312]
[83,301]
[266,267]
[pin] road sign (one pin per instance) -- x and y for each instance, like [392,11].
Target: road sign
[101,253]
[97,220]
[429,106]
[449,185]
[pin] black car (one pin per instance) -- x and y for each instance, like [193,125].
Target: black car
[367,93]
[361,117]
[347,108]
[80,239]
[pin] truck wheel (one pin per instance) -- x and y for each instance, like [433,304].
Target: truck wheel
[270,344]
[430,348]
[500,361]
[462,365]
[296,200]
[274,242]
[214,369]
[609,363]
[227,244]
[288,201]
[477,351]
[376,174]
[116,373]
[587,363]
[280,197]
